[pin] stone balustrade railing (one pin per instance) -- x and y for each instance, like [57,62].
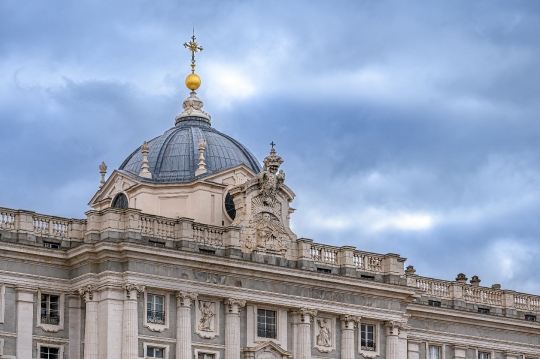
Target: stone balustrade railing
[31,223]
[491,297]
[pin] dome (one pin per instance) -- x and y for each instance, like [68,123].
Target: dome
[174,156]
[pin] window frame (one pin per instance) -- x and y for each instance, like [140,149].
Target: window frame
[50,328]
[490,353]
[153,326]
[165,348]
[252,337]
[441,346]
[376,339]
[60,348]
[267,324]
[198,351]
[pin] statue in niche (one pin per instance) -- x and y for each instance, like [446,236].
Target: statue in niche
[323,339]
[207,313]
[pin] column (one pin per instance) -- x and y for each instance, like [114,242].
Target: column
[91,323]
[25,322]
[110,321]
[130,324]
[184,301]
[392,340]
[232,327]
[348,323]
[75,339]
[402,341]
[303,347]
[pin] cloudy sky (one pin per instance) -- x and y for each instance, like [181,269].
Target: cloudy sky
[408,127]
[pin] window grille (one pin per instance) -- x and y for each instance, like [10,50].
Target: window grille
[120,201]
[434,352]
[50,313]
[48,353]
[266,323]
[152,352]
[367,337]
[155,309]
[51,245]
[229,206]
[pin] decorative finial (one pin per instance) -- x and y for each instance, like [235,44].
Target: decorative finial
[193,81]
[202,165]
[145,169]
[103,171]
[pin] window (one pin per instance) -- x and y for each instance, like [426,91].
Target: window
[152,352]
[205,356]
[50,313]
[156,244]
[367,337]
[324,270]
[51,245]
[367,277]
[266,323]
[120,201]
[434,303]
[229,206]
[48,353]
[530,318]
[482,355]
[483,310]
[207,251]
[155,309]
[434,352]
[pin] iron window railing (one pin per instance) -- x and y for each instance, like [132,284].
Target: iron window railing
[266,323]
[155,316]
[266,333]
[367,337]
[50,319]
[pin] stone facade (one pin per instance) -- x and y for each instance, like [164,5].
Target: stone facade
[174,275]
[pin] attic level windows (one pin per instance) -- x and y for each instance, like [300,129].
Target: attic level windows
[51,245]
[120,201]
[434,303]
[324,270]
[530,318]
[483,310]
[229,206]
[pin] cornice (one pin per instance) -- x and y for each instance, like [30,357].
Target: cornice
[476,320]
[470,341]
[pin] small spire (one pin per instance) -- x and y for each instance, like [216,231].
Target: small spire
[202,165]
[145,169]
[103,171]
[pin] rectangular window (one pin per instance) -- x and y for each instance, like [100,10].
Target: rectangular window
[205,356]
[51,245]
[156,244]
[367,277]
[155,309]
[48,353]
[266,323]
[50,313]
[152,352]
[434,352]
[367,337]
[530,318]
[434,303]
[324,270]
[207,251]
[483,355]
[483,310]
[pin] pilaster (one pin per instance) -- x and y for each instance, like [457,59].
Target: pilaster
[91,350]
[348,323]
[25,322]
[392,340]
[232,327]
[303,345]
[130,325]
[184,301]
[75,312]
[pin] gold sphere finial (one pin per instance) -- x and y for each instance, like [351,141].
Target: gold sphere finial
[193,81]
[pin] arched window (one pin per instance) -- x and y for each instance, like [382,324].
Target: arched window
[120,201]
[229,206]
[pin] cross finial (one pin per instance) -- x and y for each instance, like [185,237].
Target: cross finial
[193,47]
[272,144]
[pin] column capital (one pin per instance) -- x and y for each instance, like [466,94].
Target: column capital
[25,294]
[87,292]
[307,314]
[133,290]
[350,321]
[185,299]
[393,327]
[234,305]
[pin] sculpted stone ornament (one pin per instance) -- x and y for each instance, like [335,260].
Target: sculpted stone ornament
[131,287]
[87,292]
[265,229]
[324,337]
[207,314]
[193,108]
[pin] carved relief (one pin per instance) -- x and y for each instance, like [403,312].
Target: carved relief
[207,315]
[323,338]
[324,334]
[131,287]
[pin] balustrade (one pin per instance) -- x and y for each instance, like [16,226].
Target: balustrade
[324,254]
[208,235]
[368,261]
[7,219]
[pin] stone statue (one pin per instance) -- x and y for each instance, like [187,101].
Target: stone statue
[269,181]
[205,323]
[323,339]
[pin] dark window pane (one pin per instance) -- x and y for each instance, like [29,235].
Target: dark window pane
[150,352]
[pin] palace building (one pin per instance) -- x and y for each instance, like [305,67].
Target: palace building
[187,253]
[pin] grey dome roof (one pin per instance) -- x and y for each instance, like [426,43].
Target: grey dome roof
[174,156]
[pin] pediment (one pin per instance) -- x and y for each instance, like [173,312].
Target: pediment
[267,350]
[116,183]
